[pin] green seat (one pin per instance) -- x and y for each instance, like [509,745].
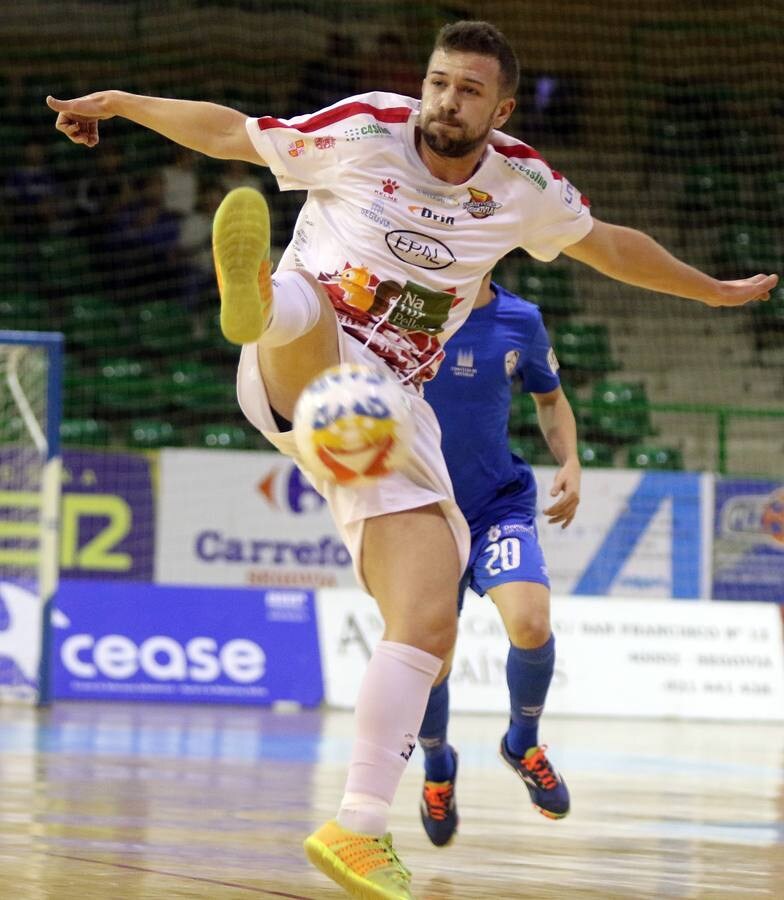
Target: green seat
[149,434]
[93,321]
[163,326]
[594,454]
[129,386]
[709,189]
[551,288]
[619,412]
[745,250]
[85,433]
[225,436]
[642,456]
[66,266]
[201,388]
[522,413]
[584,348]
[527,447]
[24,310]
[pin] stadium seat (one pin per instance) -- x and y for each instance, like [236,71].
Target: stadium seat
[593,454]
[744,250]
[522,413]
[583,349]
[551,288]
[163,327]
[200,387]
[642,456]
[85,433]
[619,412]
[226,436]
[93,322]
[149,434]
[128,386]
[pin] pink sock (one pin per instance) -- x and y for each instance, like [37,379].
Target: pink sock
[389,711]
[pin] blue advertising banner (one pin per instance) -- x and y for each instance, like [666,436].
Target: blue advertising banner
[748,546]
[108,516]
[218,645]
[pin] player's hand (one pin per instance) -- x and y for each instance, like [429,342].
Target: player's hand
[566,487]
[78,119]
[744,290]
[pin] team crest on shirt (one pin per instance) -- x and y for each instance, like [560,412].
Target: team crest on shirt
[481,205]
[510,362]
[464,366]
[296,148]
[493,533]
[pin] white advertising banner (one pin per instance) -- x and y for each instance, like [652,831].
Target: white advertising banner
[614,658]
[228,517]
[636,534]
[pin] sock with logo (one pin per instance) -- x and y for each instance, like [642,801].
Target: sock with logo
[528,674]
[295,309]
[439,756]
[389,711]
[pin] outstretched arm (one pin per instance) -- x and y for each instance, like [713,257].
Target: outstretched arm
[633,257]
[208,128]
[556,421]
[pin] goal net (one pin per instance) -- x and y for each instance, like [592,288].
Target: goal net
[30,378]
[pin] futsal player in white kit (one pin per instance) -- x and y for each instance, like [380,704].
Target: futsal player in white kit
[409,204]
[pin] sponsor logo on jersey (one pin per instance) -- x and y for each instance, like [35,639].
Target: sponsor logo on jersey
[388,189]
[420,250]
[376,214]
[510,362]
[426,213]
[326,142]
[464,367]
[373,130]
[297,148]
[481,205]
[437,198]
[535,177]
[571,196]
[552,361]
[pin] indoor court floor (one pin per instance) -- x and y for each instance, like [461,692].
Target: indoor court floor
[123,802]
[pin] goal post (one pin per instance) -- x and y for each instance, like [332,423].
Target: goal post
[31,376]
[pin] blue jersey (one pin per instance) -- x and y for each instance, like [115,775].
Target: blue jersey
[471,395]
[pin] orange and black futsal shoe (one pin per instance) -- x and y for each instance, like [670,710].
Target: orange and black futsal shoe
[546,787]
[438,809]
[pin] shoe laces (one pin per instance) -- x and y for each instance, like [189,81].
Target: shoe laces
[389,851]
[540,767]
[438,797]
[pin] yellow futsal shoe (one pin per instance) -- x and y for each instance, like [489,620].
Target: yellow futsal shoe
[240,248]
[366,867]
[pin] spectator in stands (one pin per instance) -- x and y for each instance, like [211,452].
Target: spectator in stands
[181,182]
[389,67]
[331,77]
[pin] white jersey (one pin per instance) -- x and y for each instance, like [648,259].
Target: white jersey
[400,253]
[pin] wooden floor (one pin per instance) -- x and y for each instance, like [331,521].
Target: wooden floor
[120,802]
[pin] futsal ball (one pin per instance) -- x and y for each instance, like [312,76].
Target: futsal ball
[353,424]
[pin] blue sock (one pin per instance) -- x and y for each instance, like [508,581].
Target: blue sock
[528,674]
[439,756]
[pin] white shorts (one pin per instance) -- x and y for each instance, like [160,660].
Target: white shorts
[421,481]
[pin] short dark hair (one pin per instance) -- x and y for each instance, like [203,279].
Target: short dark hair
[485,39]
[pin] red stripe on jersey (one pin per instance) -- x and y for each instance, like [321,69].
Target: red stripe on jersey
[523,151]
[392,114]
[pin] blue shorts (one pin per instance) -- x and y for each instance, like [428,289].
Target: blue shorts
[506,551]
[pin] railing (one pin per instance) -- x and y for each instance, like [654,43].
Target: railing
[723,415]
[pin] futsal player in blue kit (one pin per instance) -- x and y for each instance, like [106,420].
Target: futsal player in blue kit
[503,337]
